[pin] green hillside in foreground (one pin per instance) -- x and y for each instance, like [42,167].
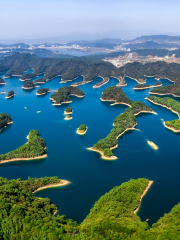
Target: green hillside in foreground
[24,216]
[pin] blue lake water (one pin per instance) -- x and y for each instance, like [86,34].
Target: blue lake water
[90,176]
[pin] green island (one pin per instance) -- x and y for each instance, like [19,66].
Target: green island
[42,91]
[172,89]
[10,94]
[89,68]
[141,86]
[124,122]
[35,148]
[172,105]
[68,110]
[5,119]
[28,85]
[82,129]
[62,95]
[157,84]
[2,81]
[113,216]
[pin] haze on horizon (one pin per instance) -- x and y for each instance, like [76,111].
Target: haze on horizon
[88,20]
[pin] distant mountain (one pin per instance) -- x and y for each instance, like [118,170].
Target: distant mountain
[15,45]
[151,45]
[158,38]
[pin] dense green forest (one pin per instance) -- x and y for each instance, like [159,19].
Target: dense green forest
[10,94]
[28,84]
[24,216]
[90,68]
[173,89]
[116,94]
[43,90]
[62,95]
[141,86]
[35,147]
[4,120]
[68,110]
[82,128]
[157,84]
[2,81]
[121,123]
[169,103]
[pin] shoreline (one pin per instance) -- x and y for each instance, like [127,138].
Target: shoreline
[10,122]
[143,194]
[60,184]
[171,128]
[10,96]
[2,83]
[163,106]
[68,112]
[39,94]
[153,145]
[23,159]
[79,133]
[66,118]
[143,111]
[102,154]
[101,83]
[161,94]
[115,102]
[142,88]
[28,88]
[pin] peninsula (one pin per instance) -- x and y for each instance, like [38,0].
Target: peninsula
[10,94]
[172,89]
[35,148]
[173,106]
[82,129]
[42,91]
[124,122]
[5,119]
[62,95]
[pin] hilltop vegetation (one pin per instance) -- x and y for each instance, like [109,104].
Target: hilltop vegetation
[173,89]
[43,91]
[68,110]
[35,147]
[141,86]
[4,120]
[10,94]
[89,67]
[28,84]
[62,95]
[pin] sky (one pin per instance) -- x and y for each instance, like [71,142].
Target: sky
[88,19]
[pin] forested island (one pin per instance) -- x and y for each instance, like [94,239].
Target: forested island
[28,85]
[157,84]
[172,89]
[124,122]
[5,119]
[68,110]
[112,217]
[2,81]
[172,105]
[10,94]
[42,91]
[89,68]
[35,148]
[62,95]
[82,129]
[141,86]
